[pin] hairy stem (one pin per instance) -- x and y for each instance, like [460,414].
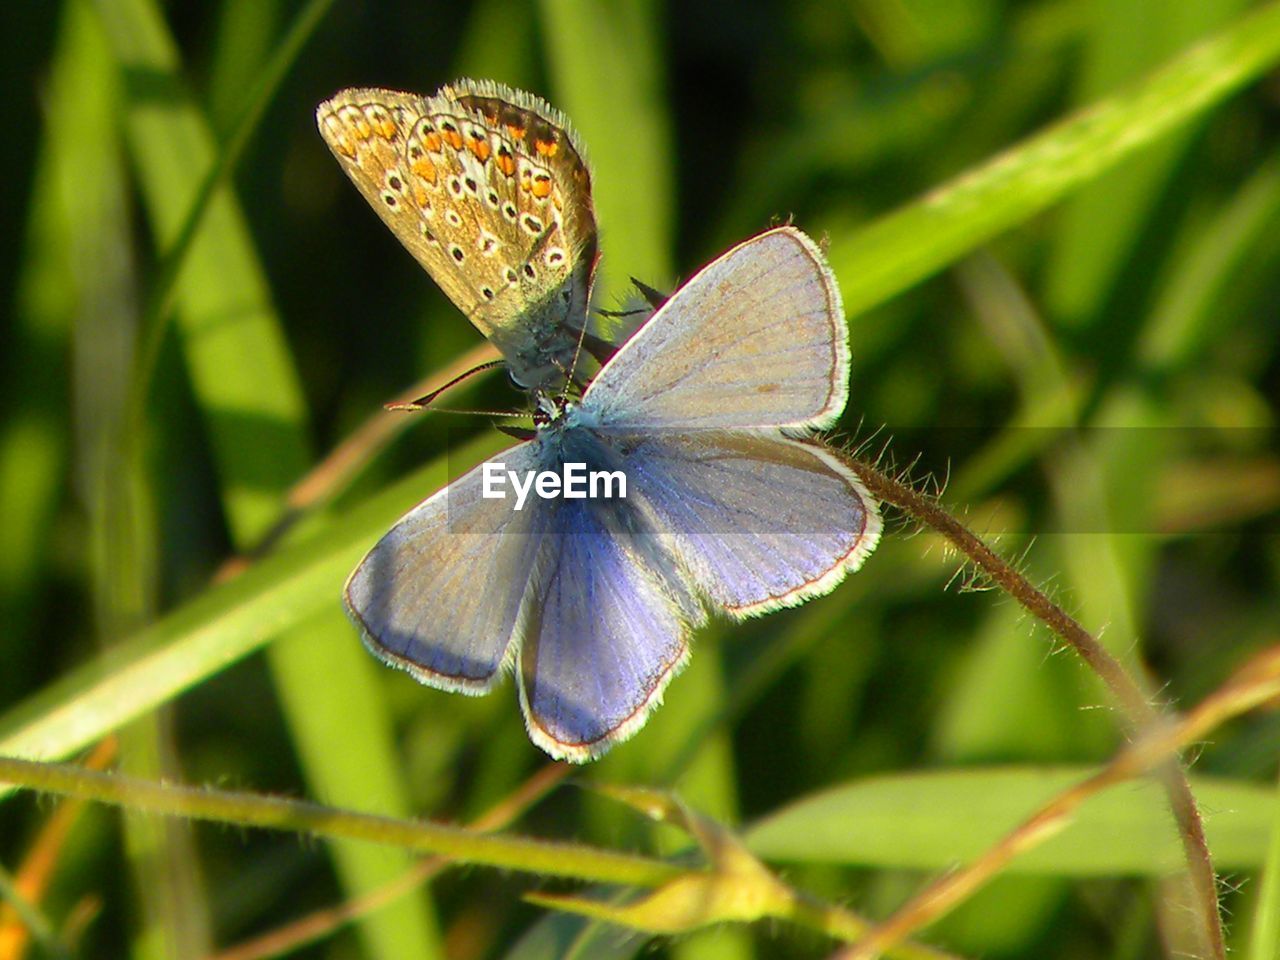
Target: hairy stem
[544,857]
[1139,712]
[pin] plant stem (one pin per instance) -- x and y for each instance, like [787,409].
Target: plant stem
[1139,712]
[543,857]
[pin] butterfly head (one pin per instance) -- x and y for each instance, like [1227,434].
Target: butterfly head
[550,409]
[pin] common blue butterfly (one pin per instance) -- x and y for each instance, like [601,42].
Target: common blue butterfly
[730,507]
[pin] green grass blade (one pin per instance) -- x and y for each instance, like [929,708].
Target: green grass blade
[246,387]
[334,702]
[1187,316]
[930,821]
[236,354]
[897,251]
[1264,943]
[215,629]
[34,433]
[607,77]
[1097,230]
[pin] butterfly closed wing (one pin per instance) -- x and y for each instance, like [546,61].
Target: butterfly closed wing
[488,189]
[730,506]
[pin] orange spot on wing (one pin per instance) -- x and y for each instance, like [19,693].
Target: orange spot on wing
[517,132]
[420,196]
[358,125]
[380,122]
[546,148]
[479,147]
[336,136]
[453,138]
[425,169]
[541,187]
[433,142]
[506,163]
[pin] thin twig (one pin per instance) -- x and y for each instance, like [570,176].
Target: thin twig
[525,854]
[328,477]
[1256,683]
[34,875]
[1139,713]
[321,923]
[461,844]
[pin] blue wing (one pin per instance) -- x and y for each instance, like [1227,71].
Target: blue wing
[757,521]
[441,594]
[607,631]
[755,339]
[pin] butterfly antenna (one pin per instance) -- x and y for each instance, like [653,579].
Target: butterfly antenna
[577,354]
[515,414]
[602,349]
[423,402]
[654,299]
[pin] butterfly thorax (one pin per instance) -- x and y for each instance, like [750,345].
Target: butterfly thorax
[544,350]
[565,434]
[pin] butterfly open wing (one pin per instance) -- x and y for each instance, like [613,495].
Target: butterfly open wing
[607,632]
[441,594]
[759,522]
[755,339]
[697,402]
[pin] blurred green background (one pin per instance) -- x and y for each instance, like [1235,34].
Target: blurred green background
[1095,386]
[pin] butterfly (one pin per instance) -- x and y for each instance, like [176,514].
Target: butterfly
[730,506]
[488,189]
